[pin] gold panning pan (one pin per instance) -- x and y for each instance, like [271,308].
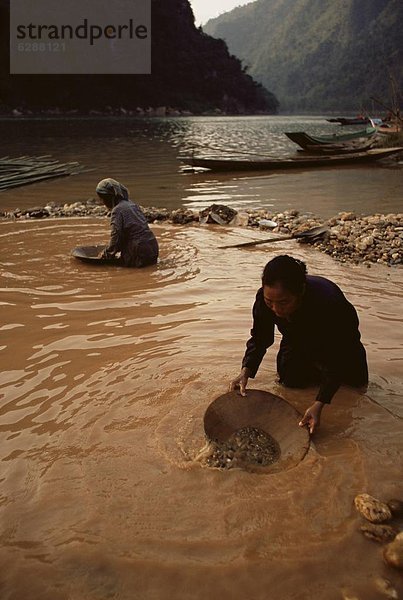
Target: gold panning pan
[263,411]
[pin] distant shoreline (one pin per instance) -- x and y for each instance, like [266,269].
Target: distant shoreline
[160,112]
[157,113]
[352,238]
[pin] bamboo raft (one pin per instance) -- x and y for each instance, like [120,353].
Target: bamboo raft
[25,170]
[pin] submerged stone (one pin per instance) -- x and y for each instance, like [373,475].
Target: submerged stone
[393,552]
[378,532]
[396,507]
[372,509]
[386,588]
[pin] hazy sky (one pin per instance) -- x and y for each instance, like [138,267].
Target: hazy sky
[207,9]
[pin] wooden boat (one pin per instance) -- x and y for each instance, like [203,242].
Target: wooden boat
[391,128]
[269,164]
[360,120]
[304,139]
[361,145]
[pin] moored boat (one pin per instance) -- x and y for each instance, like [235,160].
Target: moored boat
[359,120]
[361,145]
[268,164]
[390,128]
[304,139]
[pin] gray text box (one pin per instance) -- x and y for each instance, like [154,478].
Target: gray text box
[76,37]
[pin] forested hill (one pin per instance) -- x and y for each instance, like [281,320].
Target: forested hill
[318,54]
[190,70]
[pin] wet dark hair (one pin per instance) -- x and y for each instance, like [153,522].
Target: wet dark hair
[288,271]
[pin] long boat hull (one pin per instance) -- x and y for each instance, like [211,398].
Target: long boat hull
[350,120]
[333,149]
[304,139]
[228,164]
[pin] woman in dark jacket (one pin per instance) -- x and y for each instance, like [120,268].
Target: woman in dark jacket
[321,340]
[130,233]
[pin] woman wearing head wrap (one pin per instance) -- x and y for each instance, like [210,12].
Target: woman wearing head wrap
[130,233]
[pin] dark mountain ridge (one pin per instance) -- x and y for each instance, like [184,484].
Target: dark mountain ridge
[318,54]
[190,70]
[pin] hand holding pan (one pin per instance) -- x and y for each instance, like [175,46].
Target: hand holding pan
[310,234]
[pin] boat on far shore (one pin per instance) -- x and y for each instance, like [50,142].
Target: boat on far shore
[304,139]
[360,145]
[359,120]
[390,127]
[271,164]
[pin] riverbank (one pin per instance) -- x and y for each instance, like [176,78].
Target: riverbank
[352,238]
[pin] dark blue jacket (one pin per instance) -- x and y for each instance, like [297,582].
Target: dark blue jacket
[324,329]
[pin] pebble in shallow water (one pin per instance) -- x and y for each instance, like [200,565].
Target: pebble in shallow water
[386,588]
[378,532]
[372,509]
[247,446]
[393,552]
[396,507]
[383,586]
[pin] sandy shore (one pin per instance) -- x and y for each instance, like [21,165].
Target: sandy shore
[353,238]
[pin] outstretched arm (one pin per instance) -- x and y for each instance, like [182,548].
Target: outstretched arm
[262,336]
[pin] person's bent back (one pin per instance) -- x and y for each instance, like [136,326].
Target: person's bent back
[130,233]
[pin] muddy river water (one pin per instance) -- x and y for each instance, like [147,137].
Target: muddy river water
[106,376]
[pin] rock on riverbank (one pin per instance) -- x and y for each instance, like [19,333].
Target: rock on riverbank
[352,238]
[374,238]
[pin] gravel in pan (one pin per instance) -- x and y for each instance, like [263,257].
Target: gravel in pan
[246,446]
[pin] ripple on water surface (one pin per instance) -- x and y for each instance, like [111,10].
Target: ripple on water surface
[106,377]
[143,154]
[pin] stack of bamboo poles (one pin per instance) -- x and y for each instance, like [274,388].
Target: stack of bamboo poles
[24,170]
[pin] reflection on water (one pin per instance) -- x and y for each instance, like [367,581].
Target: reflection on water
[143,153]
[106,375]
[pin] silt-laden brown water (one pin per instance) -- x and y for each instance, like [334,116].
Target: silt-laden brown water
[106,375]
